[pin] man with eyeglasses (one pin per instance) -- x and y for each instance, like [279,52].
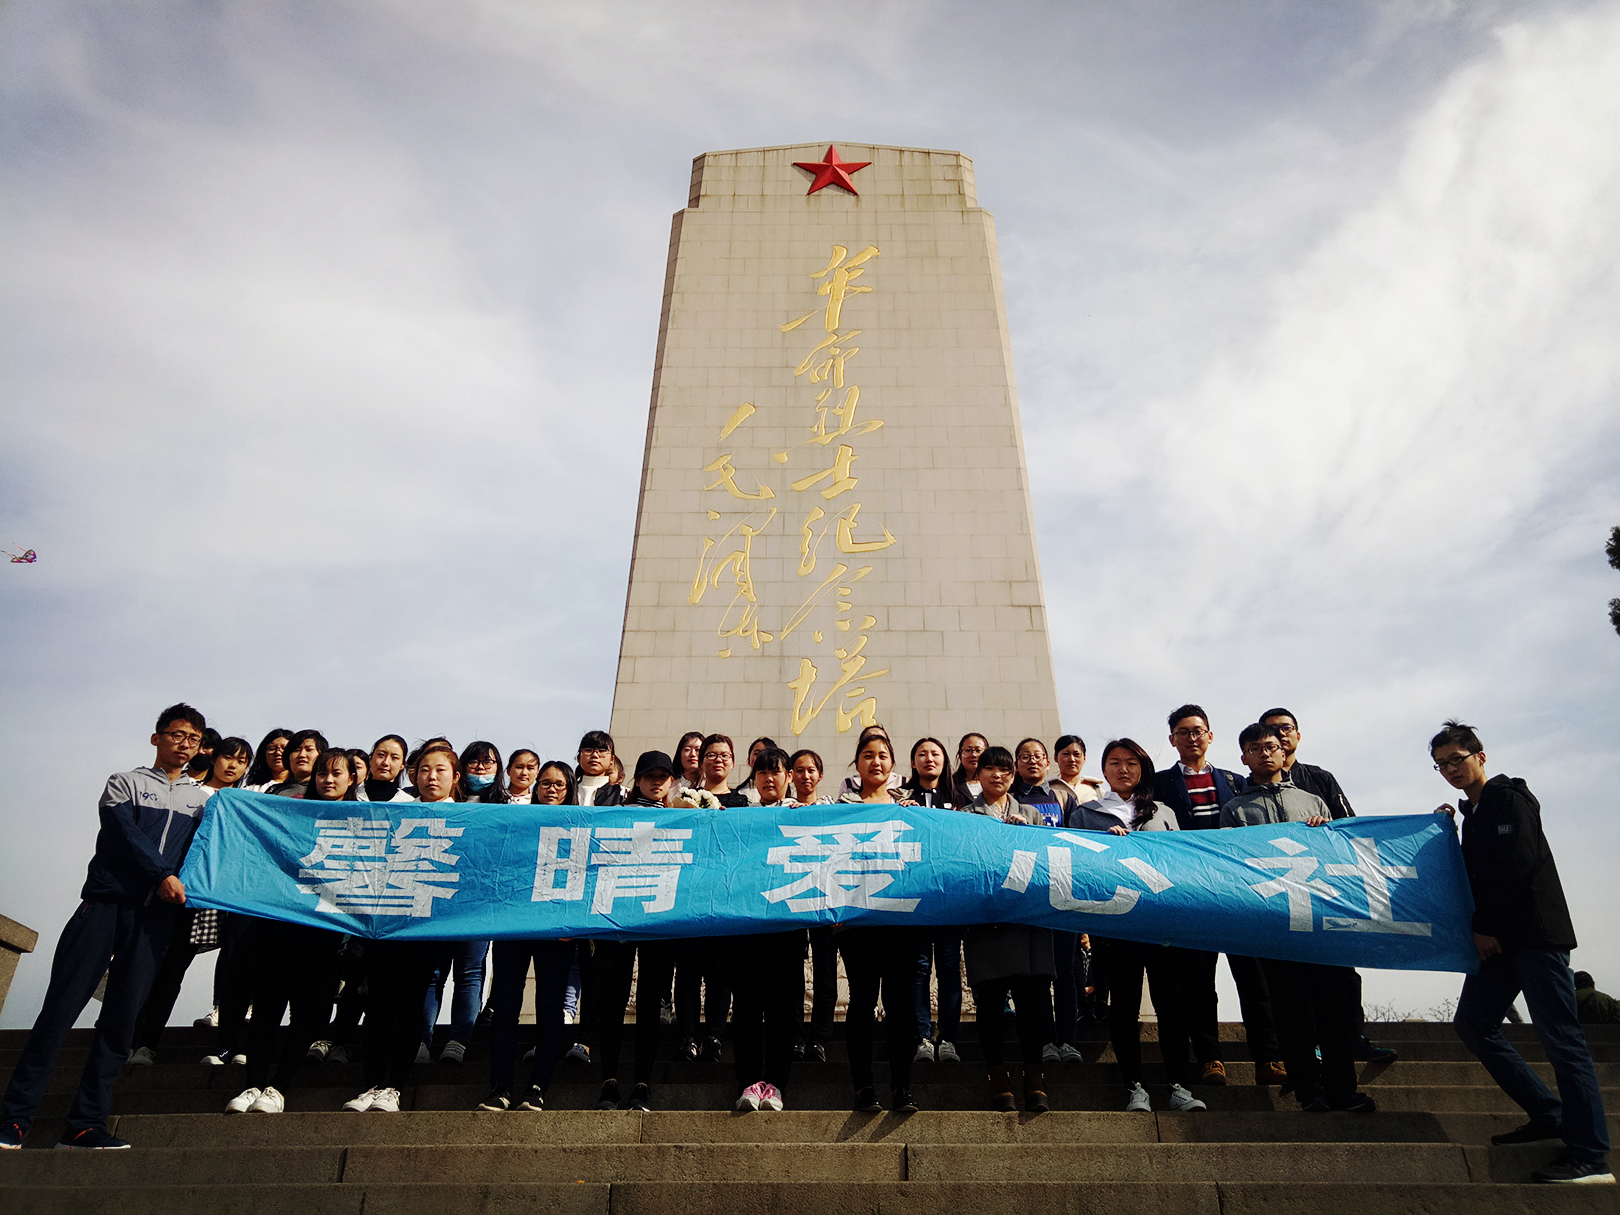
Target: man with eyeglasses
[1196,790]
[1315,1005]
[129,896]
[1524,935]
[1326,786]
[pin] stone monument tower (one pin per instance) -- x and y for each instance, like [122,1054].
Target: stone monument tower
[834,525]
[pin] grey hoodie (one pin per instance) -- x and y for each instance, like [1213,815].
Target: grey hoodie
[1279,802]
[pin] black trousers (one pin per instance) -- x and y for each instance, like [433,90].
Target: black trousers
[351,1001]
[881,961]
[823,988]
[1254,998]
[702,993]
[232,980]
[616,962]
[767,986]
[289,964]
[1066,989]
[552,962]
[129,940]
[165,991]
[1032,1006]
[1316,1006]
[1167,968]
[397,975]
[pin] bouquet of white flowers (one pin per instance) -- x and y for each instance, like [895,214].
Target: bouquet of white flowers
[695,799]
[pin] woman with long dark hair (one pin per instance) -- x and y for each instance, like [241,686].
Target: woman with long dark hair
[880,961]
[1129,806]
[688,755]
[267,768]
[383,767]
[966,775]
[291,964]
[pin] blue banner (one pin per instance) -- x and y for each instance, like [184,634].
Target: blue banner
[1379,892]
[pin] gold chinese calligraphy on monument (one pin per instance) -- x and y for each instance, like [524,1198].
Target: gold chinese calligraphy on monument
[841,676]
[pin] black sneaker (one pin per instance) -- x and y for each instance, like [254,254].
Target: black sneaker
[498,1101]
[1314,1101]
[1530,1132]
[640,1098]
[1355,1103]
[815,1053]
[94,1139]
[609,1098]
[534,1102]
[1567,1171]
[903,1102]
[711,1050]
[688,1051]
[798,1052]
[1369,1052]
[866,1101]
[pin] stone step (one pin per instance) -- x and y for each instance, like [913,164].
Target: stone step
[1391,1032]
[818,1198]
[1098,1051]
[429,1128]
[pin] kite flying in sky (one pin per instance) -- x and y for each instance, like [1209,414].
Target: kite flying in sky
[27,558]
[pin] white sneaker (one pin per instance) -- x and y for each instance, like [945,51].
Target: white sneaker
[1137,1102]
[453,1052]
[239,1059]
[242,1102]
[143,1057]
[386,1101]
[751,1097]
[925,1052]
[1069,1054]
[579,1053]
[338,1054]
[423,1055]
[362,1103]
[772,1100]
[211,1021]
[269,1101]
[217,1059]
[945,1052]
[318,1050]
[1184,1102]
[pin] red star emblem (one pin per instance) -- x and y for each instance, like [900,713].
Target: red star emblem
[831,171]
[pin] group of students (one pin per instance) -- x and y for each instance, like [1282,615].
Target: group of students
[1303,1021]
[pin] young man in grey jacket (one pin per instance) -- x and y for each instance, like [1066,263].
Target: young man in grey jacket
[129,898]
[1314,1005]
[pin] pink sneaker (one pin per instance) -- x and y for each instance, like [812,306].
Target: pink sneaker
[771,1099]
[753,1097]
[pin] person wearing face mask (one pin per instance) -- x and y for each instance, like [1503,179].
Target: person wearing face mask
[767,973]
[480,781]
[1129,806]
[1009,960]
[398,972]
[291,964]
[383,768]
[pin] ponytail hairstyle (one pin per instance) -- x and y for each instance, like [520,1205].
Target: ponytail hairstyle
[1142,795]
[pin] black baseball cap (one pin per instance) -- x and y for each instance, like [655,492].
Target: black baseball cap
[653,761]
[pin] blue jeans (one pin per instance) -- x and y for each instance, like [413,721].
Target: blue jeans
[946,945]
[467,959]
[1544,977]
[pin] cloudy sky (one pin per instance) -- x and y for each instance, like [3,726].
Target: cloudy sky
[328,334]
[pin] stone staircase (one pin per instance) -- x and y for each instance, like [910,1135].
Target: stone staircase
[1426,1150]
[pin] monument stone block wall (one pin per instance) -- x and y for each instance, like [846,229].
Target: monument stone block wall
[834,524]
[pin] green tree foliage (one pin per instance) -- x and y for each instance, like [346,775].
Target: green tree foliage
[1613,550]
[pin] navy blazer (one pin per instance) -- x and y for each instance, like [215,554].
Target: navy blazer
[1170,787]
